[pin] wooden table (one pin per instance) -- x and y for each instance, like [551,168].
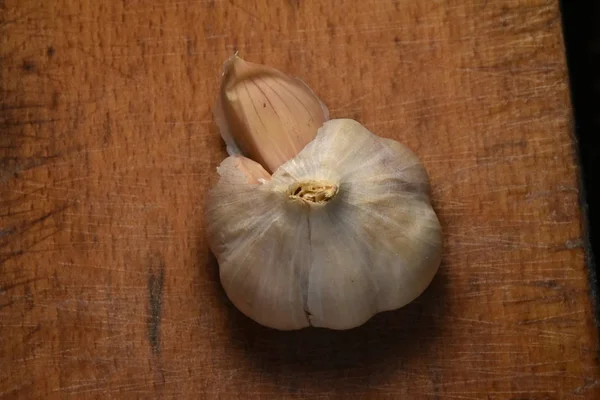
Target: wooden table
[108,147]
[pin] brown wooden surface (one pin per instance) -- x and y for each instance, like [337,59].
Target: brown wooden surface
[108,146]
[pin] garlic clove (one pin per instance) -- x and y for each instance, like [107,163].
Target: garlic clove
[261,249]
[252,171]
[413,173]
[265,114]
[363,240]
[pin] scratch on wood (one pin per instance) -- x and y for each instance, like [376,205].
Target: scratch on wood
[245,11]
[28,226]
[574,244]
[587,386]
[4,305]
[6,288]
[4,257]
[11,167]
[566,318]
[156,279]
[35,330]
[6,231]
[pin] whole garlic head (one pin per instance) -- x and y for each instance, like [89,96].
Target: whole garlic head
[340,232]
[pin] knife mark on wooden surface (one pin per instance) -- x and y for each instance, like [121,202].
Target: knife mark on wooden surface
[156,279]
[6,288]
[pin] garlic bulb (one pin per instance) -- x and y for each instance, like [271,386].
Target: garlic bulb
[340,232]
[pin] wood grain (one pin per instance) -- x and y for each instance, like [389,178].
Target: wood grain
[108,146]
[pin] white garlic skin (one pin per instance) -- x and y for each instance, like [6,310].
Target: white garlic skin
[375,245]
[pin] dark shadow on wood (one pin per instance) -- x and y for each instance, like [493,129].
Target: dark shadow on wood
[364,355]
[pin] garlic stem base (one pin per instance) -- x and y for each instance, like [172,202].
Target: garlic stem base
[313,191]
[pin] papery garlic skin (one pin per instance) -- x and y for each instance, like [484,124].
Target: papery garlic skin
[373,245]
[253,171]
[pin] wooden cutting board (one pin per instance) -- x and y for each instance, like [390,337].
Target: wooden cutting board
[108,148]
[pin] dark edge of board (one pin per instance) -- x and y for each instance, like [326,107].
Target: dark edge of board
[581,31]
